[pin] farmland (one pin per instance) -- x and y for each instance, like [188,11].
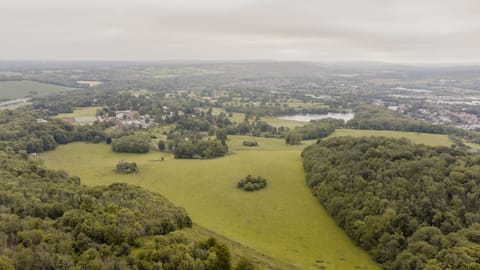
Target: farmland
[18,89]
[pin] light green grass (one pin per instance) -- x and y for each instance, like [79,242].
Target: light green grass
[283,221]
[85,115]
[18,89]
[420,138]
[238,251]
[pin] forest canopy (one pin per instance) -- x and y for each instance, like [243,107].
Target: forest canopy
[410,206]
[50,221]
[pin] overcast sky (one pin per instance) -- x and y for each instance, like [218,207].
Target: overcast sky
[416,31]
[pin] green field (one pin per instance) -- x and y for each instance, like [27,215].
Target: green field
[283,221]
[420,138]
[82,115]
[19,89]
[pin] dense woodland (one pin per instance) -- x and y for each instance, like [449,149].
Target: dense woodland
[49,220]
[411,206]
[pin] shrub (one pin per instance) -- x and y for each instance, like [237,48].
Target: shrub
[127,167]
[250,143]
[251,183]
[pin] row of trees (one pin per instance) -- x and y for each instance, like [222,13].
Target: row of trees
[204,149]
[410,206]
[314,130]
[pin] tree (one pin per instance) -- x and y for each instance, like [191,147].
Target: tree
[126,167]
[161,145]
[221,135]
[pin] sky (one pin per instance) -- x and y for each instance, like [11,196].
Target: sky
[400,31]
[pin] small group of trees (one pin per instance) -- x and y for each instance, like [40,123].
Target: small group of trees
[250,143]
[315,130]
[251,183]
[126,167]
[131,144]
[200,149]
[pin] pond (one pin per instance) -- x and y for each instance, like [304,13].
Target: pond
[308,117]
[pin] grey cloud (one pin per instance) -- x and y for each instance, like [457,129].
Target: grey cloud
[310,30]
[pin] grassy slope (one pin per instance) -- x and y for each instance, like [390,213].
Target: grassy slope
[238,251]
[82,115]
[283,221]
[18,89]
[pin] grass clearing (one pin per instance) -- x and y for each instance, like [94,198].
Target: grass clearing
[83,115]
[19,89]
[283,221]
[420,138]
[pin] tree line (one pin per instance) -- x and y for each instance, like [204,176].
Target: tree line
[410,206]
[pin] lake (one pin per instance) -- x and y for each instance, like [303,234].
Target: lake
[308,117]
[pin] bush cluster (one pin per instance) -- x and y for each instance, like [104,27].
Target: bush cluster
[126,167]
[250,143]
[251,183]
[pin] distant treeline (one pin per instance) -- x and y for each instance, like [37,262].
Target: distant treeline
[29,130]
[314,130]
[410,206]
[380,118]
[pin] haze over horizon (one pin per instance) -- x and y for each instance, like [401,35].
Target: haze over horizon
[428,32]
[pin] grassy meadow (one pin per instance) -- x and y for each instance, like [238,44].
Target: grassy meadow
[85,115]
[283,221]
[19,89]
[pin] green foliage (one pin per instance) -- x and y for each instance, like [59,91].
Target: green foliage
[53,222]
[126,167]
[200,149]
[251,183]
[161,145]
[250,143]
[21,130]
[411,206]
[131,144]
[315,130]
[5,263]
[244,264]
